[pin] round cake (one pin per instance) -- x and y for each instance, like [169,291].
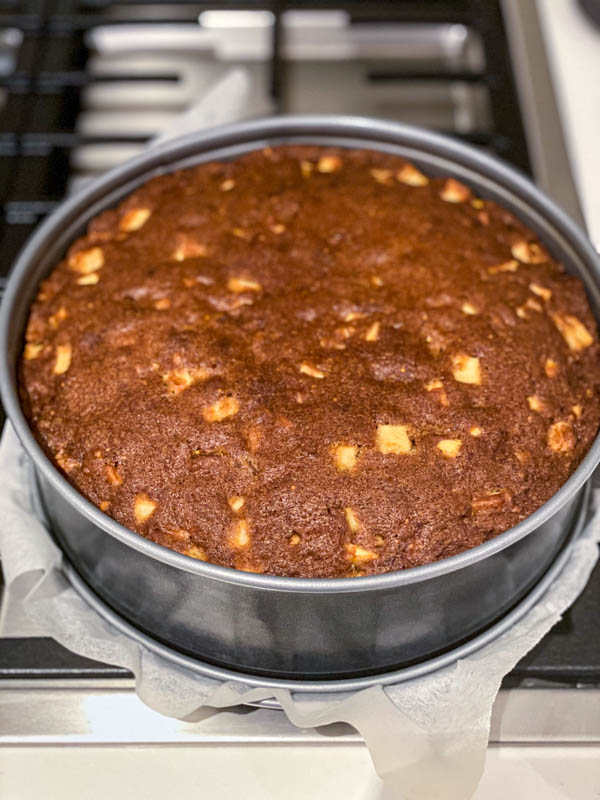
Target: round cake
[312,362]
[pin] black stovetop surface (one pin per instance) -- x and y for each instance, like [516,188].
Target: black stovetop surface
[46,46]
[43,79]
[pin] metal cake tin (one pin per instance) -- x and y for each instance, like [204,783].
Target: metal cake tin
[339,687]
[295,628]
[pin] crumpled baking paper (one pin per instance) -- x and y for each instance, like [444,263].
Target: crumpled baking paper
[231,98]
[427,737]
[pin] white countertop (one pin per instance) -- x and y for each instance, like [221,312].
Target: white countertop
[271,772]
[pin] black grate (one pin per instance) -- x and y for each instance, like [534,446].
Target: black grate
[43,57]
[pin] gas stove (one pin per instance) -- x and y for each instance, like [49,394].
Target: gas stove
[84,84]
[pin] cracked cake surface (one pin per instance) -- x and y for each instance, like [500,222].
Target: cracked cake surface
[312,362]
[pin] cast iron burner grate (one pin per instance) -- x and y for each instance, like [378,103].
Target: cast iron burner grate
[46,85]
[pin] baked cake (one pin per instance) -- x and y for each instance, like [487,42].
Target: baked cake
[312,362]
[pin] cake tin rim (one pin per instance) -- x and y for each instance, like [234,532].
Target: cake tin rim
[339,686]
[273,128]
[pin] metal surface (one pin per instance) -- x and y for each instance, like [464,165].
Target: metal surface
[547,148]
[87,713]
[288,627]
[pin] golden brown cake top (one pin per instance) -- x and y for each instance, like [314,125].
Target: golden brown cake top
[312,362]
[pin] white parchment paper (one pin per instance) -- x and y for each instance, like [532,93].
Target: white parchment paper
[427,737]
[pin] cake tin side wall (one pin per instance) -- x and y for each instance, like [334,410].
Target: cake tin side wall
[287,627]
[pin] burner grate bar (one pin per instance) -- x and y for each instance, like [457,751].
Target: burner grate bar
[71,71]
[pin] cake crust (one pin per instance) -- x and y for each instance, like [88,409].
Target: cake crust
[312,362]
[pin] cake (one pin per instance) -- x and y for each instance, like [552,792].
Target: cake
[312,362]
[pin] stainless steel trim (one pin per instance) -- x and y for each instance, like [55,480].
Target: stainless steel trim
[101,714]
[545,138]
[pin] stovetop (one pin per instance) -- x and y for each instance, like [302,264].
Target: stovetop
[84,85]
